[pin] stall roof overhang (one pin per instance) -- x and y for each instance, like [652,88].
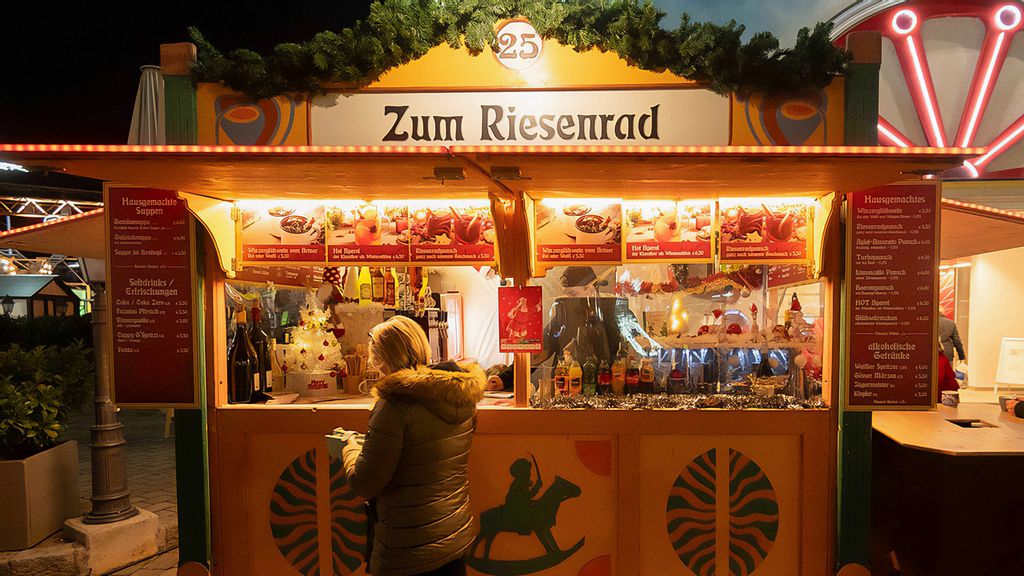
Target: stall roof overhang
[329,172]
[23,286]
[971,229]
[78,235]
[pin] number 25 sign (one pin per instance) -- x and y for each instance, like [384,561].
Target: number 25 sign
[519,45]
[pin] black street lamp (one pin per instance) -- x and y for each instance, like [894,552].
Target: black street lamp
[8,305]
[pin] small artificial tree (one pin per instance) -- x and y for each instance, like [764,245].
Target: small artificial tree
[314,349]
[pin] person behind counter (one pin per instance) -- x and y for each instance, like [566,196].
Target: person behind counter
[414,459]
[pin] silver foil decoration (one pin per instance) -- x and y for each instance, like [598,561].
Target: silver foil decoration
[679,402]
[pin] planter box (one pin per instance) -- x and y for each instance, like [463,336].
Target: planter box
[39,494]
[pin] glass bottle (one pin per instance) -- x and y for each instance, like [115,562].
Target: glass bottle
[646,376]
[377,285]
[561,376]
[390,289]
[618,370]
[590,376]
[632,376]
[575,378]
[351,282]
[365,286]
[241,362]
[604,379]
[261,344]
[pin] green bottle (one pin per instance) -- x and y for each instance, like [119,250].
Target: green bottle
[590,376]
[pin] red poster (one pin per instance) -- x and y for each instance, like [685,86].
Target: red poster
[151,306]
[765,232]
[285,231]
[451,232]
[578,230]
[376,232]
[520,319]
[669,231]
[892,241]
[787,275]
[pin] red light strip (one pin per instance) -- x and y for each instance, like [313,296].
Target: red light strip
[61,220]
[907,39]
[889,135]
[1000,30]
[980,208]
[1008,138]
[215,150]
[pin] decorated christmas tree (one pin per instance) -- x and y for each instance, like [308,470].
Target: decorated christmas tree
[314,348]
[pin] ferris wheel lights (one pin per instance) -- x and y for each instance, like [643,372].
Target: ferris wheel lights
[905,21]
[1007,17]
[971,169]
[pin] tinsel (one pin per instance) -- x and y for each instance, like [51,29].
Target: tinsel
[679,402]
[398,31]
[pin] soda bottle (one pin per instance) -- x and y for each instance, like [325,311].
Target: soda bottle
[575,378]
[646,376]
[632,376]
[590,376]
[604,379]
[561,377]
[618,371]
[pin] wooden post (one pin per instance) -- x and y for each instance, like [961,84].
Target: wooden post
[854,474]
[190,440]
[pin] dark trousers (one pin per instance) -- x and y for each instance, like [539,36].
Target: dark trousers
[453,568]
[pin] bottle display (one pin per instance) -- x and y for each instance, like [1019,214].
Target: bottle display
[646,376]
[242,363]
[590,376]
[575,378]
[561,376]
[390,288]
[261,344]
[377,285]
[365,286]
[618,373]
[632,376]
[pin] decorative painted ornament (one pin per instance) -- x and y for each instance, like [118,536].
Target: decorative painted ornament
[320,357]
[332,275]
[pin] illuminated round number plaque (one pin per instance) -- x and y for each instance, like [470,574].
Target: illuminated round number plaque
[519,45]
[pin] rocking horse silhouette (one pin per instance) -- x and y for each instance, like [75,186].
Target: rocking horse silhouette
[523,515]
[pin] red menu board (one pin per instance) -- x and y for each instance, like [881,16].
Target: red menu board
[451,232]
[375,232]
[149,235]
[578,230]
[678,232]
[892,243]
[290,231]
[521,319]
[772,231]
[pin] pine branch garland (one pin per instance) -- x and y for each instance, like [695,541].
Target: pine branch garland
[399,31]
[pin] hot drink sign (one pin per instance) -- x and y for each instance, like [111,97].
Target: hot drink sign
[578,230]
[281,231]
[669,231]
[775,231]
[451,232]
[376,232]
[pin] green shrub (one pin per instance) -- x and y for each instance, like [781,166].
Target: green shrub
[40,388]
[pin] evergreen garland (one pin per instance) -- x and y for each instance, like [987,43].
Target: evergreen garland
[398,31]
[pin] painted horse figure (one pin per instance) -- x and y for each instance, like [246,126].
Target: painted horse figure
[537,518]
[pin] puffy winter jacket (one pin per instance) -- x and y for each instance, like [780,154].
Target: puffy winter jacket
[415,461]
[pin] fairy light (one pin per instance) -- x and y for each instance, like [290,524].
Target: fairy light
[891,133]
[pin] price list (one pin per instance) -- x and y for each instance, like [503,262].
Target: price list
[893,282]
[148,241]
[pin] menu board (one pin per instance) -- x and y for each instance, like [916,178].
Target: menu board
[892,242]
[451,232]
[578,230]
[521,319]
[281,231]
[772,231]
[375,232]
[669,231]
[149,236]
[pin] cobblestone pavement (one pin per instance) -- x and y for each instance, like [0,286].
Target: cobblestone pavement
[151,479]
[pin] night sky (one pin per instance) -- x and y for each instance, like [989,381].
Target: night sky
[70,70]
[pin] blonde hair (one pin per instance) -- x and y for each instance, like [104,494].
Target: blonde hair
[398,343]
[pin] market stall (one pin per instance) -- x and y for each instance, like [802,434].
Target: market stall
[615,205]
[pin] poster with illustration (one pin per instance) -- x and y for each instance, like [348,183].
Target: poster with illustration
[368,232]
[669,231]
[451,232]
[520,319]
[765,232]
[578,230]
[281,231]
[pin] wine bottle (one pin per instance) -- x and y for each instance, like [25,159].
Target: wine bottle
[377,285]
[365,286]
[241,362]
[261,344]
[590,376]
[389,288]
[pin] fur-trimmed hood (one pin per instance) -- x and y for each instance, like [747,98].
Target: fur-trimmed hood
[451,396]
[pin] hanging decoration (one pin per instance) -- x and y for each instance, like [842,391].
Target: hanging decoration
[398,31]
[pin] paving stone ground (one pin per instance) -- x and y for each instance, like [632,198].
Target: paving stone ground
[151,477]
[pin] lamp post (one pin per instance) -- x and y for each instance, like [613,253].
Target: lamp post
[110,496]
[8,305]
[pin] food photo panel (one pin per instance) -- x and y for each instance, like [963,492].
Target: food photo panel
[451,231]
[669,231]
[281,231]
[368,232]
[579,230]
[765,231]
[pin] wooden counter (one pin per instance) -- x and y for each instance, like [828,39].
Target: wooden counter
[933,431]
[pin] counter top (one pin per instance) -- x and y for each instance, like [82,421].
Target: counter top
[932,431]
